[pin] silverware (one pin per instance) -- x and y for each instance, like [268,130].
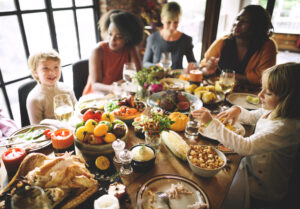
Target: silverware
[21,142]
[164,197]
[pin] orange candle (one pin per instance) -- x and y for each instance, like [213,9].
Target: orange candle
[12,158]
[196,75]
[63,141]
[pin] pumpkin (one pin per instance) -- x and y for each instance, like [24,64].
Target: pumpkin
[180,120]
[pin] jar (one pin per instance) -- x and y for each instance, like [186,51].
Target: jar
[153,139]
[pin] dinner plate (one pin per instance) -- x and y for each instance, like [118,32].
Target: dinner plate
[30,145]
[174,83]
[162,183]
[241,100]
[152,101]
[93,101]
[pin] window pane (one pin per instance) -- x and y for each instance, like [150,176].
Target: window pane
[191,23]
[66,36]
[83,3]
[32,4]
[13,61]
[37,31]
[61,3]
[7,5]
[286,16]
[87,34]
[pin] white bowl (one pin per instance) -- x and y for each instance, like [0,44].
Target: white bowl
[205,172]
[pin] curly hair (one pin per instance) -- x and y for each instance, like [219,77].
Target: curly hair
[284,81]
[129,25]
[260,25]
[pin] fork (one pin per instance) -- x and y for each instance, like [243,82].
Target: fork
[164,197]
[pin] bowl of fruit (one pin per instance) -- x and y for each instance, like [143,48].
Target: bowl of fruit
[95,134]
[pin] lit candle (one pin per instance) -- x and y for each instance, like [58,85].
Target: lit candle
[196,76]
[12,158]
[63,141]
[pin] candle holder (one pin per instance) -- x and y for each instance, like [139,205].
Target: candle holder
[118,145]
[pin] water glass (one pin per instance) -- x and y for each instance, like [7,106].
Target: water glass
[227,80]
[125,157]
[63,107]
[30,197]
[166,60]
[129,72]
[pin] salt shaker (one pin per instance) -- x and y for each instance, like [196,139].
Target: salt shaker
[118,145]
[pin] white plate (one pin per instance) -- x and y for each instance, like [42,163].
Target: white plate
[93,101]
[239,129]
[174,83]
[163,183]
[241,100]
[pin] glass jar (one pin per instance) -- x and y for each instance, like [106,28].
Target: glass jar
[153,139]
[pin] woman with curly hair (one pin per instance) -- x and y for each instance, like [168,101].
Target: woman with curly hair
[248,50]
[123,31]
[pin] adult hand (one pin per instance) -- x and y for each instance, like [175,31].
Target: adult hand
[202,115]
[232,114]
[191,66]
[211,65]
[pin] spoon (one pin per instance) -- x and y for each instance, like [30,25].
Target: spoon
[164,197]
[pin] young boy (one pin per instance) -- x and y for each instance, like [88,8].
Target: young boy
[45,69]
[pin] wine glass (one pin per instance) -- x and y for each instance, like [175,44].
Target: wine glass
[63,107]
[192,127]
[227,82]
[129,72]
[166,60]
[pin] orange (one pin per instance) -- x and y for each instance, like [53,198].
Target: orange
[100,130]
[110,138]
[102,162]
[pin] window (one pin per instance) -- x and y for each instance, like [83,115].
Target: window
[33,25]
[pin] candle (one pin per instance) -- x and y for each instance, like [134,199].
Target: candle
[12,158]
[196,76]
[62,141]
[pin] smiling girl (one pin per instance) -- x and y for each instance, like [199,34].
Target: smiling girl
[270,151]
[45,69]
[123,31]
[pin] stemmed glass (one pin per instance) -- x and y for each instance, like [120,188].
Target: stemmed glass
[192,127]
[166,60]
[129,72]
[63,107]
[227,82]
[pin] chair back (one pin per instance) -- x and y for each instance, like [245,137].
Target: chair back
[23,92]
[80,76]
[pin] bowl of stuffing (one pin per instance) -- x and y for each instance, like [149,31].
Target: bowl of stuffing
[205,161]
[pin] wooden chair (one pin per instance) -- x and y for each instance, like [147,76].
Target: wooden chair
[80,76]
[23,92]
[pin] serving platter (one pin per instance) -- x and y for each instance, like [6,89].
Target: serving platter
[241,100]
[29,144]
[162,183]
[174,83]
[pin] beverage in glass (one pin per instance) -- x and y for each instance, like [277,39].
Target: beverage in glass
[166,60]
[63,107]
[129,72]
[227,80]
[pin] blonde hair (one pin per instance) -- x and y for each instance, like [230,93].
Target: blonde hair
[284,81]
[35,59]
[171,11]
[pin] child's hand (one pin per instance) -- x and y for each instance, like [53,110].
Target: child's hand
[230,114]
[203,115]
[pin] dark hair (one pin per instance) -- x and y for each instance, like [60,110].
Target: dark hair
[284,81]
[129,25]
[260,25]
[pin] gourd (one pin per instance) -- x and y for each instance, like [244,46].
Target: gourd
[176,144]
[180,120]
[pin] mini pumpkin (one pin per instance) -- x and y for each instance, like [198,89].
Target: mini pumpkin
[180,120]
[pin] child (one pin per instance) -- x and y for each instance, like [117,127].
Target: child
[124,32]
[271,150]
[45,69]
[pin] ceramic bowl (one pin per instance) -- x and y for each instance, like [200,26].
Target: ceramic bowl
[206,172]
[143,166]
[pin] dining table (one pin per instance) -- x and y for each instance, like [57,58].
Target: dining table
[215,188]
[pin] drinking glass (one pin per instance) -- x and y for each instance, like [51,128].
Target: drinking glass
[166,60]
[117,89]
[30,197]
[227,80]
[129,72]
[125,157]
[192,127]
[63,107]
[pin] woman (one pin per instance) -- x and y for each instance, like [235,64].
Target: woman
[169,39]
[124,32]
[248,50]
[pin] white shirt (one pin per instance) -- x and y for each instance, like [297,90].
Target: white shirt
[270,151]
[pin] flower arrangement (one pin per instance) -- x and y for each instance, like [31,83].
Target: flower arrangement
[151,13]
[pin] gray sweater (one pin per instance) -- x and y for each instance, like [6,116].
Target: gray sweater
[156,45]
